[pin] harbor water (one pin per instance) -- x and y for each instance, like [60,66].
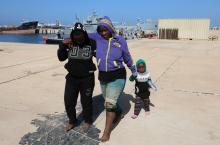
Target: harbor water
[26,38]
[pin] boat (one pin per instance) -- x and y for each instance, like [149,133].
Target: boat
[53,40]
[90,25]
[91,22]
[26,27]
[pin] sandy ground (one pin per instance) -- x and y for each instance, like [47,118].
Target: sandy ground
[187,104]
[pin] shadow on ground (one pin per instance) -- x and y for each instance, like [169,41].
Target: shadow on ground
[51,130]
[125,103]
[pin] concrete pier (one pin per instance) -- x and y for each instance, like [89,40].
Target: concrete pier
[187,103]
[32,31]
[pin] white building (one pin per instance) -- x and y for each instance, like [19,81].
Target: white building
[191,29]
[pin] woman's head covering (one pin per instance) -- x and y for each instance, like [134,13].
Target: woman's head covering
[107,23]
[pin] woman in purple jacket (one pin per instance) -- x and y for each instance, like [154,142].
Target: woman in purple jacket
[111,52]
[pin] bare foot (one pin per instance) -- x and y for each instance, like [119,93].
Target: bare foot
[69,127]
[147,113]
[134,116]
[86,127]
[105,137]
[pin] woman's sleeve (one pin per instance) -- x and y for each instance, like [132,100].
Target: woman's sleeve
[92,36]
[127,58]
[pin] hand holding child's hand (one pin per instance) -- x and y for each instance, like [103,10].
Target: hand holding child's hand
[132,78]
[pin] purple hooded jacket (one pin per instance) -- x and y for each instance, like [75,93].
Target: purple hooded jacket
[111,54]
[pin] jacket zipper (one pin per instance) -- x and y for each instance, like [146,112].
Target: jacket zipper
[109,47]
[116,64]
[98,61]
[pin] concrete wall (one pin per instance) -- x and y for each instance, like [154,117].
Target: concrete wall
[188,28]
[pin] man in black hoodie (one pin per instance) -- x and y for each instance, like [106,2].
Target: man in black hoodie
[79,50]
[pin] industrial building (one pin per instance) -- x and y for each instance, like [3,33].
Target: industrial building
[189,29]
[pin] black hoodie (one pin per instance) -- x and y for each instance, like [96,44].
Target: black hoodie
[80,62]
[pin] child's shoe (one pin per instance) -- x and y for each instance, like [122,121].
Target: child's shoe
[134,116]
[147,113]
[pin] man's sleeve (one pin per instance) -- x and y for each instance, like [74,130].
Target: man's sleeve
[93,45]
[62,53]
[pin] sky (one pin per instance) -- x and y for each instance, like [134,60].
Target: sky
[48,11]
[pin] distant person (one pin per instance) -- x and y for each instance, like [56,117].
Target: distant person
[143,83]
[135,34]
[143,34]
[59,35]
[111,52]
[80,78]
[121,33]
